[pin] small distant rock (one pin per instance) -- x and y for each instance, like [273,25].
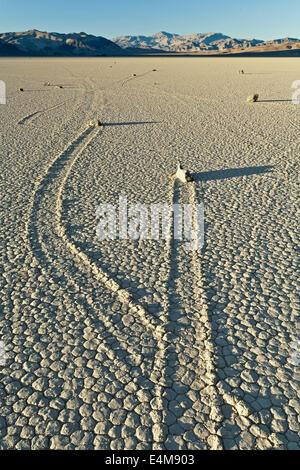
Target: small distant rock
[252,98]
[183,175]
[95,123]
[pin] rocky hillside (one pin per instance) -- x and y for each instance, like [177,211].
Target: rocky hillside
[42,43]
[9,50]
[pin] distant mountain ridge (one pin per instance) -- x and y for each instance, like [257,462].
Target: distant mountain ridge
[200,42]
[34,42]
[48,44]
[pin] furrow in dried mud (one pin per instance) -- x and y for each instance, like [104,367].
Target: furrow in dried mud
[45,230]
[33,116]
[189,397]
[187,384]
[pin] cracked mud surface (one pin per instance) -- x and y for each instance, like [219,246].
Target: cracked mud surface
[142,344]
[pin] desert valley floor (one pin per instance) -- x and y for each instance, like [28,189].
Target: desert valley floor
[142,344]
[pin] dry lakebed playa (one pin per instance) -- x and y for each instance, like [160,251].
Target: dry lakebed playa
[132,344]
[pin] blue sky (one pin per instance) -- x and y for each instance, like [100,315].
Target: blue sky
[262,19]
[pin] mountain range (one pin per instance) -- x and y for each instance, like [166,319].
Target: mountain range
[43,43]
[201,42]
